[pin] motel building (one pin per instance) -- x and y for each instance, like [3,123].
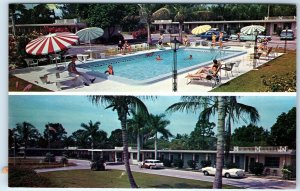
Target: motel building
[272,24]
[273,158]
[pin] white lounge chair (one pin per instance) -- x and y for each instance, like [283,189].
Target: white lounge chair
[31,62]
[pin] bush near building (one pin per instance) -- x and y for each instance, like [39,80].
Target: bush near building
[257,168]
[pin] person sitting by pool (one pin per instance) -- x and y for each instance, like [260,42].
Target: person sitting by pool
[186,41]
[207,72]
[189,58]
[158,58]
[110,70]
[83,77]
[127,47]
[120,46]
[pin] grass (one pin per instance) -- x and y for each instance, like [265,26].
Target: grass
[118,179]
[277,72]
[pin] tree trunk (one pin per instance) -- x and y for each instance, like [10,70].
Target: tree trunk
[220,143]
[227,141]
[180,31]
[155,146]
[138,145]
[123,119]
[149,41]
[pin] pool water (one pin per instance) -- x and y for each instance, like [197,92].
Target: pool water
[143,69]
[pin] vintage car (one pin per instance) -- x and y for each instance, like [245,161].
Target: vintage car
[287,35]
[151,164]
[232,172]
[244,37]
[208,35]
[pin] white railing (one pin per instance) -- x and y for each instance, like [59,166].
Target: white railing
[261,149]
[162,21]
[66,21]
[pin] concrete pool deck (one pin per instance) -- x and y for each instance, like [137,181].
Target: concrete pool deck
[106,86]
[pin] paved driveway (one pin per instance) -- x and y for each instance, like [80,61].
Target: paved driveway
[249,182]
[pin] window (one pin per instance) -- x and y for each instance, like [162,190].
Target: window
[272,162]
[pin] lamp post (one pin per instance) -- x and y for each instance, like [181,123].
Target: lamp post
[175,47]
[255,49]
[286,29]
[92,148]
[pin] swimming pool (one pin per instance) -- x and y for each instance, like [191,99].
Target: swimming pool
[143,69]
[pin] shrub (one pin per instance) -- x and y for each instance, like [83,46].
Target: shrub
[167,162]
[178,163]
[98,165]
[25,177]
[116,38]
[49,157]
[140,34]
[205,163]
[257,168]
[231,165]
[288,172]
[286,83]
[192,164]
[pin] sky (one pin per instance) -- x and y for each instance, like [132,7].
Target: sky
[71,111]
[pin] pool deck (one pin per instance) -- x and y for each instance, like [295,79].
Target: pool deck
[106,86]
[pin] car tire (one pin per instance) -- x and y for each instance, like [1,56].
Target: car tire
[227,175]
[205,173]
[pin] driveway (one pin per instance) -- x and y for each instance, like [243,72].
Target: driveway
[248,182]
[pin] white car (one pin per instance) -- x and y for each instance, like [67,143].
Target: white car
[233,172]
[151,164]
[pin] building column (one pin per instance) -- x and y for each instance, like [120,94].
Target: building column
[206,156]
[116,156]
[169,156]
[233,160]
[181,157]
[193,156]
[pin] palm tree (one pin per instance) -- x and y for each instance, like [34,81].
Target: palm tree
[26,132]
[182,11]
[146,13]
[122,104]
[135,125]
[234,111]
[157,124]
[225,107]
[90,130]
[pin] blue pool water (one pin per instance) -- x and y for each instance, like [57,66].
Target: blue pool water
[143,69]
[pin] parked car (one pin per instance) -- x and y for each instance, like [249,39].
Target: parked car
[287,35]
[244,37]
[233,37]
[208,35]
[151,164]
[232,172]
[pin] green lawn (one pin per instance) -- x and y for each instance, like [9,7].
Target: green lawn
[279,74]
[118,179]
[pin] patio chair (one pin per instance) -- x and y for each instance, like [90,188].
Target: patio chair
[228,68]
[200,75]
[146,46]
[31,62]
[193,44]
[236,66]
[160,47]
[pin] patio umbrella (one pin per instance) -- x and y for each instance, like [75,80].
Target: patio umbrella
[51,43]
[200,29]
[250,29]
[89,34]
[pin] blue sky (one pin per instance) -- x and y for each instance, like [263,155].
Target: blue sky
[71,111]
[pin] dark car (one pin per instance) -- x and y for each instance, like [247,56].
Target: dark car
[287,35]
[208,35]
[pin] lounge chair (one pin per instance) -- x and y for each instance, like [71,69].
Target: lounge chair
[201,75]
[228,68]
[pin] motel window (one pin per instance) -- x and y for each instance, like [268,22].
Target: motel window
[272,162]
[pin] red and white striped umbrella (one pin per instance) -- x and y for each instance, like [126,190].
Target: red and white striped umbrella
[51,43]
